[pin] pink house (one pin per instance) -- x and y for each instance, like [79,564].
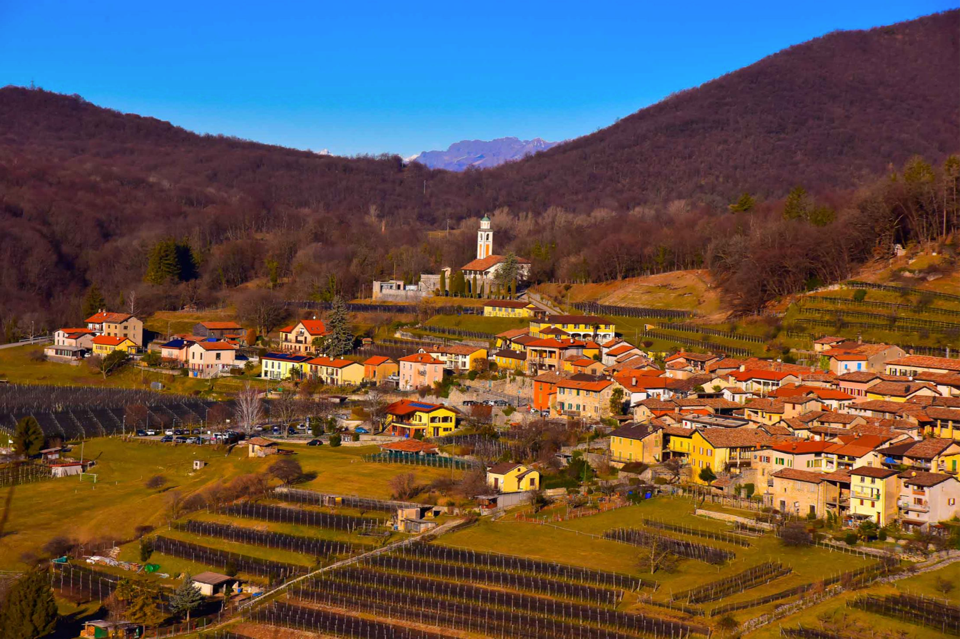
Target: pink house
[419,369]
[210,358]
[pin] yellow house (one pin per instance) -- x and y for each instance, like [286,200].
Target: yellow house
[901,391]
[103,345]
[508,308]
[724,449]
[677,441]
[512,478]
[946,422]
[509,359]
[280,366]
[514,339]
[336,372]
[575,326]
[408,418]
[636,443]
[873,494]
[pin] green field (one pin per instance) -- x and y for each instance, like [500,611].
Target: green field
[119,502]
[479,323]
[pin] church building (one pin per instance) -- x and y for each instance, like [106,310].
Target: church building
[487,264]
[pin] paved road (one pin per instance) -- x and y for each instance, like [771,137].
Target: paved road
[27,342]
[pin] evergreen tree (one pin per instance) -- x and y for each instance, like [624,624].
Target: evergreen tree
[144,604]
[28,437]
[458,285]
[30,611]
[473,286]
[743,204]
[93,302]
[509,270]
[171,261]
[443,282]
[186,598]
[340,340]
[797,204]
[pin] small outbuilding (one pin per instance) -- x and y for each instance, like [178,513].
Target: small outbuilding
[198,464]
[113,629]
[260,447]
[212,583]
[66,469]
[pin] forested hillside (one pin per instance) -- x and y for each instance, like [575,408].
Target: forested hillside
[89,195]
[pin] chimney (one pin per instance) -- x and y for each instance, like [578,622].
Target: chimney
[859,339]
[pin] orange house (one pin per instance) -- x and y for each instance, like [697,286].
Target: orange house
[378,368]
[545,390]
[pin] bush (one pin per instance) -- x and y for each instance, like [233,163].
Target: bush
[335,440]
[851,538]
[156,482]
[859,295]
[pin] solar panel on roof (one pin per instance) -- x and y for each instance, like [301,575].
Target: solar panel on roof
[419,405]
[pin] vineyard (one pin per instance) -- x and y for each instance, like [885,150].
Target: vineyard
[273,571]
[740,582]
[485,593]
[315,547]
[79,412]
[303,517]
[678,547]
[938,614]
[312,498]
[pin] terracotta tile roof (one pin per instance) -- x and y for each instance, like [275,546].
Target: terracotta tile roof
[484,264]
[799,475]
[945,414]
[404,407]
[867,471]
[410,446]
[611,342]
[550,342]
[107,316]
[806,447]
[858,377]
[879,406]
[331,363]
[513,332]
[776,376]
[312,326]
[376,360]
[840,476]
[222,326]
[633,430]
[503,468]
[591,386]
[549,377]
[717,403]
[216,346]
[679,431]
[659,404]
[923,479]
[260,441]
[109,340]
[929,448]
[588,320]
[925,361]
[735,437]
[901,389]
[524,340]
[726,362]
[553,330]
[420,358]
[692,357]
[507,353]
[832,417]
[829,340]
[776,429]
[765,405]
[617,351]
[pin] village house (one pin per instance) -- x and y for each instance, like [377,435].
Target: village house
[418,370]
[736,394]
[508,477]
[457,357]
[800,455]
[873,494]
[116,325]
[934,455]
[640,386]
[797,492]
[762,382]
[281,366]
[210,358]
[633,442]
[857,357]
[927,498]
[857,384]
[612,355]
[724,449]
[677,443]
[70,344]
[176,351]
[509,308]
[545,390]
[913,365]
[854,452]
[408,418]
[705,418]
[585,396]
[509,339]
[260,447]
[336,372]
[579,327]
[103,345]
[509,359]
[583,365]
[299,338]
[378,368]
[901,391]
[227,331]
[826,343]
[945,422]
[547,354]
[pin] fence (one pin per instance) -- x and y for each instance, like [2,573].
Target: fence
[388,308]
[630,311]
[690,328]
[915,323]
[23,474]
[456,332]
[902,290]
[428,461]
[890,306]
[924,611]
[300,496]
[915,349]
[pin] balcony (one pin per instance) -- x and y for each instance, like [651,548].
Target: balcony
[909,506]
[865,494]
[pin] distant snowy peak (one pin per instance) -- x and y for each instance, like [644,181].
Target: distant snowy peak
[482,154]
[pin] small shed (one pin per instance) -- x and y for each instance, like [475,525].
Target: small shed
[112,629]
[260,447]
[416,526]
[66,469]
[198,464]
[50,454]
[211,583]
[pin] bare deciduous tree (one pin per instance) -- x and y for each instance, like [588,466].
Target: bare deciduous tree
[249,408]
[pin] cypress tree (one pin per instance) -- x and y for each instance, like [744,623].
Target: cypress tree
[28,437]
[30,611]
[93,301]
[340,340]
[443,282]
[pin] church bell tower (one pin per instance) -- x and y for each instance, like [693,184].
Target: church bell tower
[484,239]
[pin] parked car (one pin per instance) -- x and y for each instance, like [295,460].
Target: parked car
[166,439]
[169,431]
[291,430]
[151,432]
[180,439]
[314,442]
[196,431]
[141,432]
[361,430]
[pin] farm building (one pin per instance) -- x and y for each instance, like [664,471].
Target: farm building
[260,447]
[211,583]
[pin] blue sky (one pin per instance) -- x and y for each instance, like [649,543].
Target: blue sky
[372,77]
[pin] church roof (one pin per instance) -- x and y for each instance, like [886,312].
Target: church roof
[486,263]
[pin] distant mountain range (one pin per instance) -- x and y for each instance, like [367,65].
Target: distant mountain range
[482,154]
